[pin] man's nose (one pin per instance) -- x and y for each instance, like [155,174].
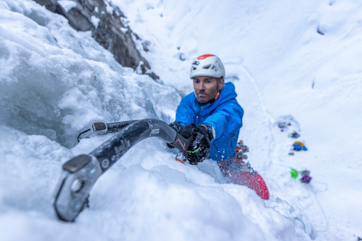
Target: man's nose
[201,86]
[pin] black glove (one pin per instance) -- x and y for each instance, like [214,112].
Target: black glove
[178,128]
[199,148]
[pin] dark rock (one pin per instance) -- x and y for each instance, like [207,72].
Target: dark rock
[320,31]
[155,77]
[331,2]
[78,21]
[112,31]
[146,44]
[49,4]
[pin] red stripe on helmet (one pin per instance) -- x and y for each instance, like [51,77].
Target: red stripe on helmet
[205,56]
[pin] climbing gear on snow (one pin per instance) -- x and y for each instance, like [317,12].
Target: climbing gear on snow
[299,146]
[306,178]
[294,135]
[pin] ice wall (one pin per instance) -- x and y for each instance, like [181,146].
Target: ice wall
[55,80]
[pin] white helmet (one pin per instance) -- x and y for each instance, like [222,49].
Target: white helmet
[207,65]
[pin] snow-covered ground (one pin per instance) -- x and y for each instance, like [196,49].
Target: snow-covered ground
[298,58]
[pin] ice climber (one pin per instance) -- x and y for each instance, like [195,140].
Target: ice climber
[210,119]
[211,114]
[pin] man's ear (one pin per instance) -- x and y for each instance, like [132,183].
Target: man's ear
[221,83]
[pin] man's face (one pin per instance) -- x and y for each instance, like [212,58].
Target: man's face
[206,88]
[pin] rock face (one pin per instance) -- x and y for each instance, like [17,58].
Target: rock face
[108,26]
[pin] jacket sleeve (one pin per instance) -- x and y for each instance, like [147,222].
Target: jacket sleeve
[226,119]
[185,114]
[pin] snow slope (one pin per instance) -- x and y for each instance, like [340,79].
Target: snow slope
[299,58]
[55,81]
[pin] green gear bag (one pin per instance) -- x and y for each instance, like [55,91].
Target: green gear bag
[294,173]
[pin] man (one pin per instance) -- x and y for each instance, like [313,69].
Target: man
[210,116]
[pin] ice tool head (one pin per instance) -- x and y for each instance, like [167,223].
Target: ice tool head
[77,179]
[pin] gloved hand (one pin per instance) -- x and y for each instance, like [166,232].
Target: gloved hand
[199,148]
[178,128]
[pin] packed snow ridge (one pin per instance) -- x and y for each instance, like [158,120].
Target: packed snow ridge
[289,60]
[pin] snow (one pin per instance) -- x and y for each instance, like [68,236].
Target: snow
[289,60]
[281,66]
[95,20]
[67,5]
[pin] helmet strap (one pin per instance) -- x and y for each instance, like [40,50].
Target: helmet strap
[217,95]
[218,92]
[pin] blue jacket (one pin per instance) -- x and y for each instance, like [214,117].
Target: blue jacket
[224,114]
